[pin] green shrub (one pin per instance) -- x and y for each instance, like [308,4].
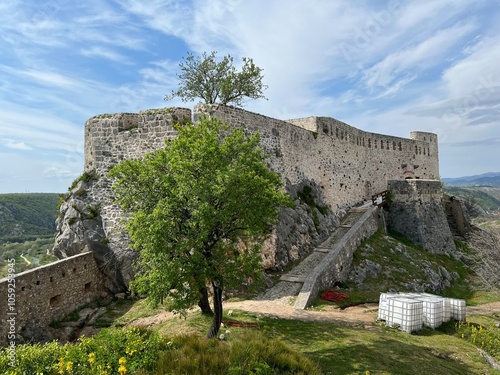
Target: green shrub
[140,351]
[484,338]
[111,351]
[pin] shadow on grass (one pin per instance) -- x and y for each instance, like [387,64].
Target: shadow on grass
[387,356]
[355,350]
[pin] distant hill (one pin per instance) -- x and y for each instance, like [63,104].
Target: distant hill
[26,217]
[486,179]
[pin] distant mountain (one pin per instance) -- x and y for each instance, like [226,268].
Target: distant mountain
[27,216]
[486,179]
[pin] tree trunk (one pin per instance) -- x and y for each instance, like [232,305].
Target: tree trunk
[204,303]
[217,319]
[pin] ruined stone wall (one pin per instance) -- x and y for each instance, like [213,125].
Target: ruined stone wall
[343,165]
[89,220]
[416,210]
[110,139]
[49,293]
[347,163]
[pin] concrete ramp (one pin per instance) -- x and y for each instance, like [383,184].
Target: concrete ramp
[328,263]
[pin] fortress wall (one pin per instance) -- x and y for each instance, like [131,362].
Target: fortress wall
[417,212]
[346,164]
[349,164]
[110,139]
[49,293]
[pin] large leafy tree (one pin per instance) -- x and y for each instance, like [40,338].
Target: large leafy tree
[218,81]
[196,209]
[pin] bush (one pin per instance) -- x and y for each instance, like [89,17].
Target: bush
[484,338]
[111,351]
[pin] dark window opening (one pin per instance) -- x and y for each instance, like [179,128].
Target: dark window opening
[55,301]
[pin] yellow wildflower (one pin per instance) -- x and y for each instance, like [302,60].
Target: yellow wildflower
[91,358]
[69,366]
[122,369]
[61,365]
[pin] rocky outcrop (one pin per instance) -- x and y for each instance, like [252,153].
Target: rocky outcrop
[80,228]
[398,269]
[301,228]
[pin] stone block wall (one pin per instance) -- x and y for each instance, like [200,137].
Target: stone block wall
[49,293]
[416,210]
[349,164]
[109,140]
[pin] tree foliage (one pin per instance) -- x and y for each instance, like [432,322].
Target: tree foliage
[197,207]
[218,82]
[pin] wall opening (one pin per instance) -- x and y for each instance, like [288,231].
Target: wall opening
[87,287]
[55,301]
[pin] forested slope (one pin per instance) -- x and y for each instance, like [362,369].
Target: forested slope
[27,216]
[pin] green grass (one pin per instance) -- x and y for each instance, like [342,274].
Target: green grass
[324,348]
[380,350]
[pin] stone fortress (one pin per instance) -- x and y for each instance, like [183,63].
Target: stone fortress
[326,165]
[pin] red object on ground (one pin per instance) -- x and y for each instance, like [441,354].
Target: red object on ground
[240,324]
[333,295]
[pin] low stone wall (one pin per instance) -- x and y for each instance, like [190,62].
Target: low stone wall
[336,265]
[47,293]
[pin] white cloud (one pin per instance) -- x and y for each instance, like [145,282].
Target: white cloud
[9,143]
[106,53]
[418,57]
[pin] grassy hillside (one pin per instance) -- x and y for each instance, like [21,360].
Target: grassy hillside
[26,217]
[27,228]
[482,202]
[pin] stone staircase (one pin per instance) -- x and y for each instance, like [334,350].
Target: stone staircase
[291,284]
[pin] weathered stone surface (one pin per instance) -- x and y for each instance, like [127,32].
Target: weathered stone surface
[49,293]
[416,211]
[326,165]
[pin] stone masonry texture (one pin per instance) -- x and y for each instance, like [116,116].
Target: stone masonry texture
[50,292]
[342,166]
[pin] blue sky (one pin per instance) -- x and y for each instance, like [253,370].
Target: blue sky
[389,67]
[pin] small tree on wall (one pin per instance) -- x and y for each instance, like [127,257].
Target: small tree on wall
[218,81]
[193,205]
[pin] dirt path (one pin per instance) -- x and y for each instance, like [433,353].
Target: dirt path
[356,315]
[484,309]
[361,315]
